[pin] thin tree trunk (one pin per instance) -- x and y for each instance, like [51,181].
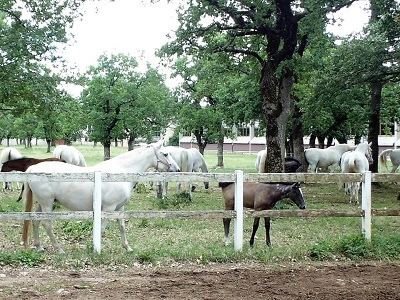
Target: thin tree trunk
[107,150]
[220,149]
[374,122]
[297,137]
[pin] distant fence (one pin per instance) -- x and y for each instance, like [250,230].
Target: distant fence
[239,214]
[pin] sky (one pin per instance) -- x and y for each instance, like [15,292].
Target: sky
[139,28]
[131,27]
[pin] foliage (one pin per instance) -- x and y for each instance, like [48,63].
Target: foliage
[356,248]
[120,102]
[25,258]
[31,32]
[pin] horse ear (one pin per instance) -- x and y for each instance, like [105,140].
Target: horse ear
[160,143]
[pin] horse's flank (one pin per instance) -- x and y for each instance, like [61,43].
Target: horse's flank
[394,155]
[22,164]
[323,158]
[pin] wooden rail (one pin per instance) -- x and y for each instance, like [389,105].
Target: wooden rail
[238,177]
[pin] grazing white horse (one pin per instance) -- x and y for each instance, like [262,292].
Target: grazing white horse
[394,155]
[7,154]
[198,164]
[70,155]
[323,158]
[78,196]
[356,161]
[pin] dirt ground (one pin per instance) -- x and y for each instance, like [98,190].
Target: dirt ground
[216,281]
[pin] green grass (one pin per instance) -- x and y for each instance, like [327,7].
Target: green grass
[201,241]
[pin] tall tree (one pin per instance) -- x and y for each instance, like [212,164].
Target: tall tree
[267,31]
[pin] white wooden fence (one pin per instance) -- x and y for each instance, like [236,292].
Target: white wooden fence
[238,177]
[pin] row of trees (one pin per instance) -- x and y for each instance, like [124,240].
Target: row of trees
[240,61]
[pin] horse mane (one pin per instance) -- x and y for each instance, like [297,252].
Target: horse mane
[224,184]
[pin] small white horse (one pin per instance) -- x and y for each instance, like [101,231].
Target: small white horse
[78,196]
[394,155]
[70,155]
[7,154]
[323,158]
[356,161]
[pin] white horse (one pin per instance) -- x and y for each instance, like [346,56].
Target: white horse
[78,196]
[198,164]
[394,155]
[323,158]
[7,154]
[70,155]
[356,161]
[184,161]
[260,155]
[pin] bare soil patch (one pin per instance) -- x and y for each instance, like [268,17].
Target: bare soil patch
[216,281]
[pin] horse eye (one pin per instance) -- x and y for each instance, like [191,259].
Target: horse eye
[165,154]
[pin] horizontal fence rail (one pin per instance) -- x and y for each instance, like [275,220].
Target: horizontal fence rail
[238,178]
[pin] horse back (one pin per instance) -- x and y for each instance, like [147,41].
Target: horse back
[228,193]
[357,163]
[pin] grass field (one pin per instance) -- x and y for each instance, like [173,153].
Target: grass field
[198,241]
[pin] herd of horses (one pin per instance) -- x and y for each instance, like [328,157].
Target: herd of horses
[77,196]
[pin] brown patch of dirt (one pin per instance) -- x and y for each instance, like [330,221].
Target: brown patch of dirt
[216,281]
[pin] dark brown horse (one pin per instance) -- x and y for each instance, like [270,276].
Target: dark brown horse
[260,196]
[22,164]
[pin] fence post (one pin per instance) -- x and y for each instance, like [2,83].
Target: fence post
[238,241]
[366,205]
[97,212]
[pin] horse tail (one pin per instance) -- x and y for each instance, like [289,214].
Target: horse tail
[382,157]
[224,184]
[82,161]
[262,162]
[28,208]
[352,164]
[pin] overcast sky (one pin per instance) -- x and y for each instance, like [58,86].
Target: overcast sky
[138,27]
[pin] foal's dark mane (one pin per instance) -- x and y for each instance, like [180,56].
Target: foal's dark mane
[225,184]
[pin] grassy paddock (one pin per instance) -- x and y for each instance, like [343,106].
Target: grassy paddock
[199,241]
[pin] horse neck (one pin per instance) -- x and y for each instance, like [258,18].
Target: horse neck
[137,160]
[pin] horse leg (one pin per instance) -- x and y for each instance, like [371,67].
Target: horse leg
[122,230]
[356,189]
[227,222]
[267,221]
[35,229]
[255,227]
[49,230]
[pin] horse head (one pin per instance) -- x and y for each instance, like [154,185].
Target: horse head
[296,195]
[165,162]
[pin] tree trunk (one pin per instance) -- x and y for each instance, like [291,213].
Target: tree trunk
[297,137]
[271,109]
[107,151]
[131,142]
[220,149]
[48,142]
[373,127]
